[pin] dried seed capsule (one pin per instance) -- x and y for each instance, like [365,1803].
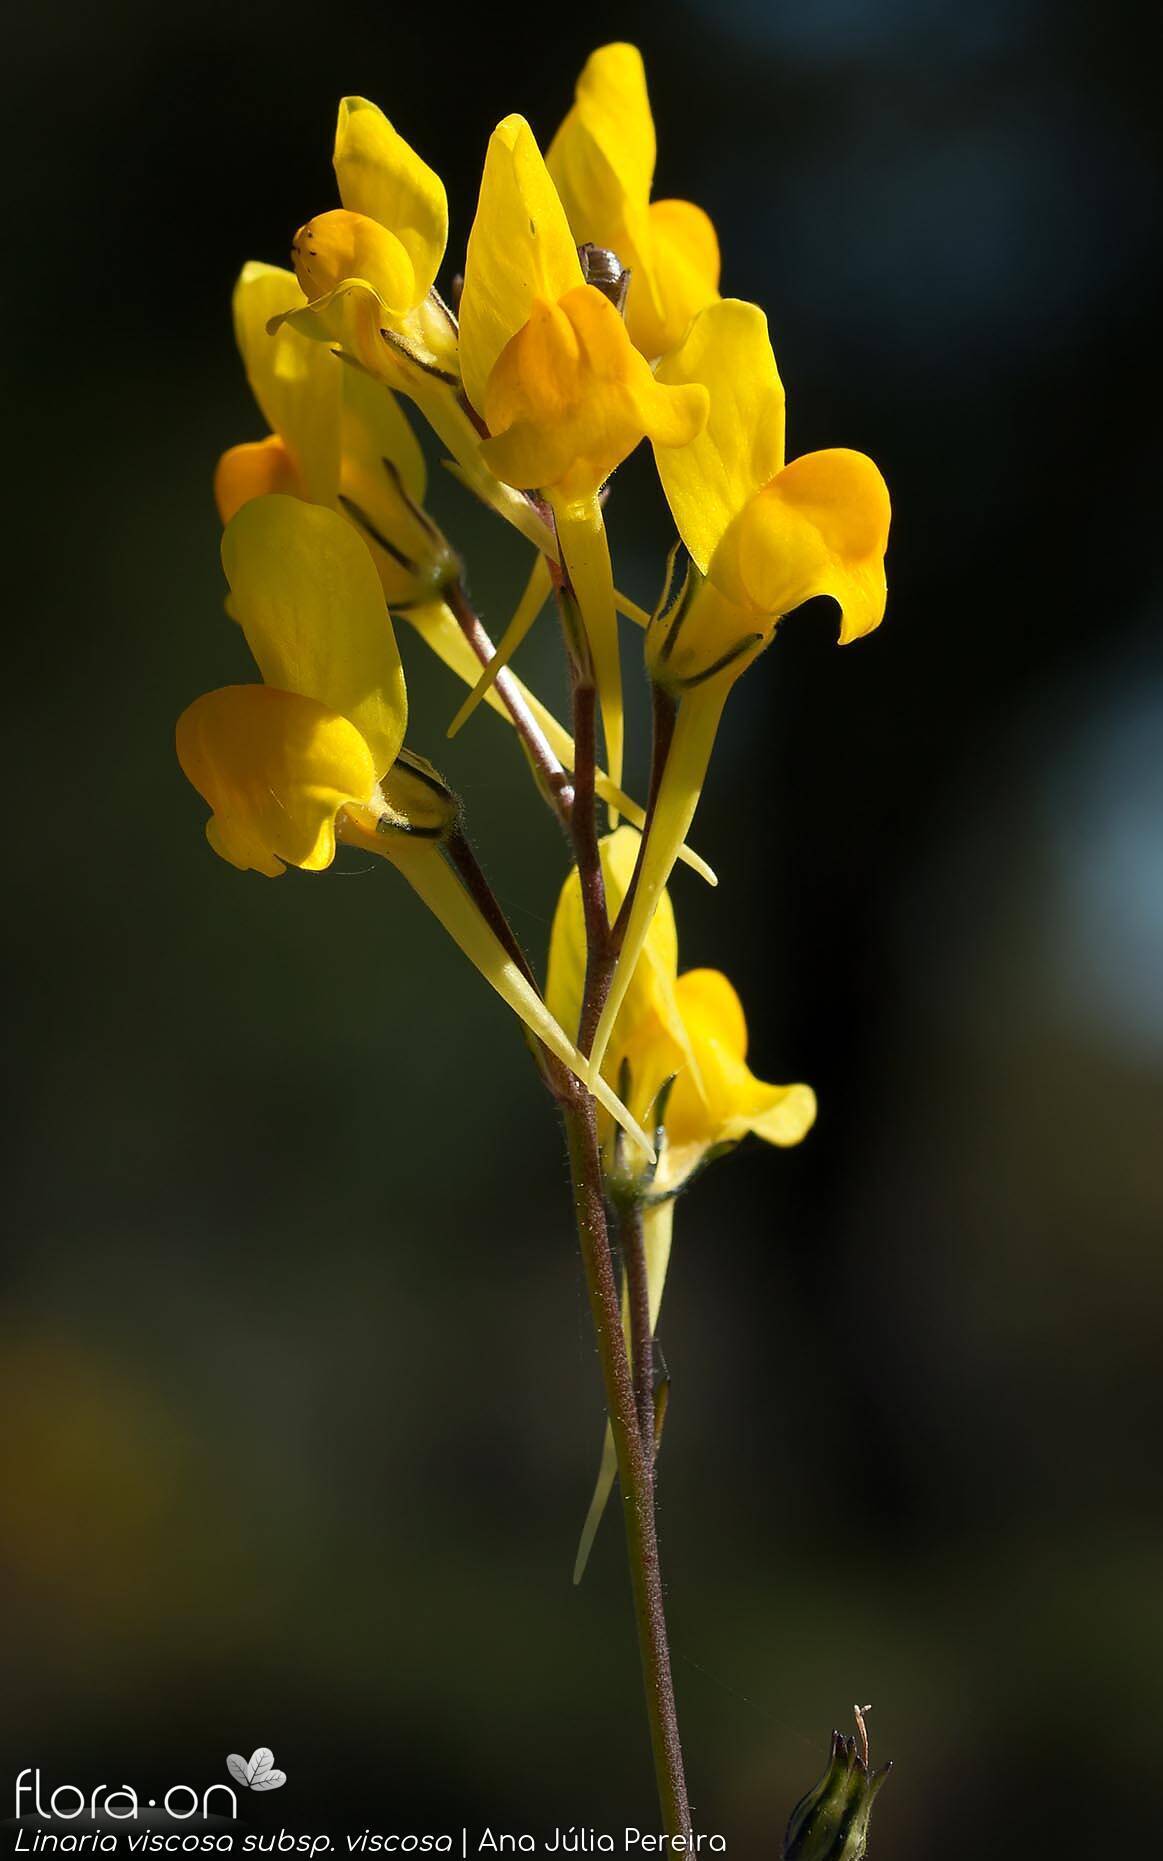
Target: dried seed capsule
[831,1822]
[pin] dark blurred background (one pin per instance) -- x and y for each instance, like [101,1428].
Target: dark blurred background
[299,1402]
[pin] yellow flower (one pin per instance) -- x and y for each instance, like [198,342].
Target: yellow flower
[548,366]
[338,438]
[716,1100]
[388,237]
[763,536]
[342,440]
[368,271]
[689,1029]
[277,762]
[568,397]
[316,751]
[602,161]
[766,535]
[545,357]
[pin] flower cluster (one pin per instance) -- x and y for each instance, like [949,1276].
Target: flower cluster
[589,319]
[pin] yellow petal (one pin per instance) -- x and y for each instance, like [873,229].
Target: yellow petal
[382,491]
[668,416]
[602,158]
[709,481]
[539,383]
[618,852]
[381,176]
[678,794]
[376,428]
[339,246]
[712,1009]
[570,397]
[428,873]
[346,427]
[715,1099]
[602,161]
[565,974]
[276,768]
[686,239]
[308,598]
[253,470]
[350,318]
[520,249]
[643,1055]
[298,384]
[819,527]
[612,110]
[728,1101]
[389,527]
[781,1115]
[685,272]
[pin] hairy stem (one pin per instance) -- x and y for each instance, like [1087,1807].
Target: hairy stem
[635,1469]
[633,1445]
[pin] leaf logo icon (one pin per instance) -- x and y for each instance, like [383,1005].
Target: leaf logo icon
[259,1773]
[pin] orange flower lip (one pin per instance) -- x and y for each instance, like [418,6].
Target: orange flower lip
[569,397]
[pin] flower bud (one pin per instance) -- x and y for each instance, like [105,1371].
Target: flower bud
[831,1822]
